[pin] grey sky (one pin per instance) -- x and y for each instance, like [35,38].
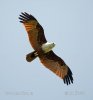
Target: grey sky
[67,23]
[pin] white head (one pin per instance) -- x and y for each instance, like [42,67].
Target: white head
[47,47]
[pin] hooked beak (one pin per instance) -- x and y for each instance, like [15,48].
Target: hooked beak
[53,44]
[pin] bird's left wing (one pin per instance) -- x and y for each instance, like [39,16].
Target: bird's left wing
[58,66]
[34,29]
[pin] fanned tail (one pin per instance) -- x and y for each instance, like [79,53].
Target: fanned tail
[31,56]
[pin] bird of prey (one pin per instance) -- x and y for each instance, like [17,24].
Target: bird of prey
[43,49]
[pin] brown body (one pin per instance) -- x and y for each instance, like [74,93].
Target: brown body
[50,60]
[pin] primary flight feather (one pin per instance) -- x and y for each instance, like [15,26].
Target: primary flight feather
[43,49]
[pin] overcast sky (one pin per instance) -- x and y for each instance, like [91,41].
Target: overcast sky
[67,23]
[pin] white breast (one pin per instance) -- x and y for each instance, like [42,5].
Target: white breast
[47,47]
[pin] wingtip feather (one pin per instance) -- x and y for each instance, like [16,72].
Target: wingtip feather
[68,79]
[24,17]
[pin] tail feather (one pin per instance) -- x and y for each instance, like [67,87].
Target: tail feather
[31,56]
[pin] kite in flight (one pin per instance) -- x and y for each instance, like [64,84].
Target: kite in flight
[43,49]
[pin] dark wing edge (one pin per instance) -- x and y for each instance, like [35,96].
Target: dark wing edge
[24,17]
[68,79]
[51,56]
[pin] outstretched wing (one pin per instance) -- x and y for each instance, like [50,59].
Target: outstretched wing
[34,30]
[58,66]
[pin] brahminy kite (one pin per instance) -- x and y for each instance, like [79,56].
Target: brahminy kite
[43,49]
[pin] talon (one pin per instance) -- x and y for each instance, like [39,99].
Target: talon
[36,54]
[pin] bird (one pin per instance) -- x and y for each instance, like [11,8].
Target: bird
[43,49]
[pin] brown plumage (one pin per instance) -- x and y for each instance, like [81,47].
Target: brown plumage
[50,60]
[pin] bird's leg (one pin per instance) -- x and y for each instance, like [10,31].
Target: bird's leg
[36,54]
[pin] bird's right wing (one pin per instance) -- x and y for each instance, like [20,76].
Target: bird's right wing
[34,30]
